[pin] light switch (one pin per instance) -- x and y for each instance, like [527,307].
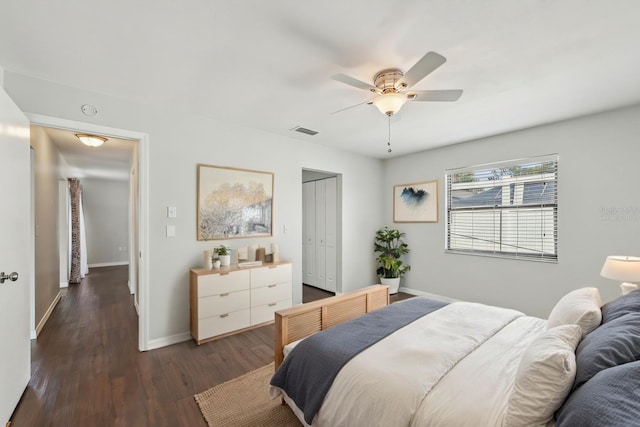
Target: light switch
[172,212]
[171,231]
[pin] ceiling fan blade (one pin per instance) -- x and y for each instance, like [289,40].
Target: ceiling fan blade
[435,95]
[353,106]
[421,69]
[342,78]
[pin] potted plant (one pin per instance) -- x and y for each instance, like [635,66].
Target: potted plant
[224,254]
[215,262]
[389,244]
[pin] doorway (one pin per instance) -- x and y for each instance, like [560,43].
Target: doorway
[136,242]
[321,233]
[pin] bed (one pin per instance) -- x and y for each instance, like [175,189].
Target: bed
[354,360]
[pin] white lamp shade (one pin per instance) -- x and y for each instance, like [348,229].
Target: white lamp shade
[622,268]
[389,103]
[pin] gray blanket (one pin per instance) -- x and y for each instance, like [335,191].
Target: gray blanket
[309,370]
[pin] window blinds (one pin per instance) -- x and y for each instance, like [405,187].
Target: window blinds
[507,209]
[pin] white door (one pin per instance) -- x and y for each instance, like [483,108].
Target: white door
[321,242]
[15,248]
[331,229]
[309,224]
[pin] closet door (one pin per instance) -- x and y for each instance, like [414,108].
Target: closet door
[330,234]
[321,279]
[309,233]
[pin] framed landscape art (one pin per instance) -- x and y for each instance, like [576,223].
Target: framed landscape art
[234,203]
[416,202]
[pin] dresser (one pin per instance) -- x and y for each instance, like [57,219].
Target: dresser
[233,299]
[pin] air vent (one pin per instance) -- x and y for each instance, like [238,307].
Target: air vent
[305,130]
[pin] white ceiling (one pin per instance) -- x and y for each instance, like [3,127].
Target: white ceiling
[267,64]
[112,160]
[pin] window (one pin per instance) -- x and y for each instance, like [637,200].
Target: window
[507,209]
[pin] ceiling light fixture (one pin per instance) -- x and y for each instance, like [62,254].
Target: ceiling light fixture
[91,140]
[390,103]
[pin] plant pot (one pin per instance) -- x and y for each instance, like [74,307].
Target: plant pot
[392,282]
[225,260]
[216,264]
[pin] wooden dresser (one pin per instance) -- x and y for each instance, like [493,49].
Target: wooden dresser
[233,299]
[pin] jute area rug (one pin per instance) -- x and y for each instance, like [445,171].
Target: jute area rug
[245,402]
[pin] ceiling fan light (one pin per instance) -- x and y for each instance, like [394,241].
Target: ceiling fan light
[91,140]
[389,103]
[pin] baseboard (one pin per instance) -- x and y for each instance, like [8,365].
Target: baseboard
[135,304]
[108,264]
[427,294]
[170,340]
[46,316]
[64,285]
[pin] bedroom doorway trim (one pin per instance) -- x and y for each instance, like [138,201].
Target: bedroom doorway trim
[141,258]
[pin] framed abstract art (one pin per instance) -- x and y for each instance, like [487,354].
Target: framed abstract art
[416,202]
[234,203]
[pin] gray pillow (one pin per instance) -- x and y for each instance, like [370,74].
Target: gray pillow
[611,398]
[611,344]
[625,304]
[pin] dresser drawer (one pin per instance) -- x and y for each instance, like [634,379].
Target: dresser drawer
[264,313]
[212,284]
[270,293]
[224,303]
[224,323]
[267,276]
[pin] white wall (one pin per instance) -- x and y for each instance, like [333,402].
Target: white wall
[599,169]
[47,267]
[105,204]
[177,142]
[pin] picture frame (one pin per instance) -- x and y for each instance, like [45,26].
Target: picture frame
[416,202]
[233,203]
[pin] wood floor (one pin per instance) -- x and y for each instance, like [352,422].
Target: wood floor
[87,371]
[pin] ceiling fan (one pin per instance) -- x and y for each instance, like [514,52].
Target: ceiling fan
[391,86]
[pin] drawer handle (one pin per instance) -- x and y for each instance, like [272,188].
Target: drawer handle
[224,315]
[272,286]
[272,304]
[226,294]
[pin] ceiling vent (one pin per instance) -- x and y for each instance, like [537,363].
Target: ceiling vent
[305,130]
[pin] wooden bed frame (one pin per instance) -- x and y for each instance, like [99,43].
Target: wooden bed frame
[303,320]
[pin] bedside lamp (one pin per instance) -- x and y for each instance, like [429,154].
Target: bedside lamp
[623,268]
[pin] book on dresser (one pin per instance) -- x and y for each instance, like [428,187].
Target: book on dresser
[235,298]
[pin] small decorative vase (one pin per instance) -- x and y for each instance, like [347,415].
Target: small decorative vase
[216,264]
[208,264]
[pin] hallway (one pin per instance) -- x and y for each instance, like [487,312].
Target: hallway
[86,369]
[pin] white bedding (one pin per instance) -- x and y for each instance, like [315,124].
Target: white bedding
[456,367]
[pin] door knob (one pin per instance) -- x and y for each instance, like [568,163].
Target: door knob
[13,277]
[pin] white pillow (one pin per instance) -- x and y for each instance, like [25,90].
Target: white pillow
[544,378]
[580,307]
